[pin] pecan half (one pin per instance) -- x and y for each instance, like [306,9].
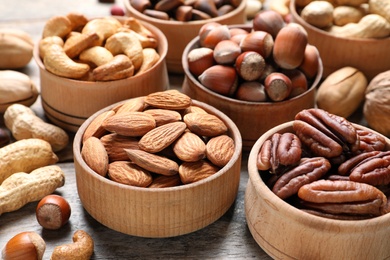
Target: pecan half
[374,171]
[370,141]
[282,149]
[346,167]
[308,170]
[326,134]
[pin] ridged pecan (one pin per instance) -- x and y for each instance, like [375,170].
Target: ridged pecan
[370,141]
[326,134]
[281,150]
[308,170]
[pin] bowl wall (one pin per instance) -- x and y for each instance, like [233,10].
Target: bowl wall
[252,118]
[371,56]
[285,232]
[68,103]
[179,34]
[159,212]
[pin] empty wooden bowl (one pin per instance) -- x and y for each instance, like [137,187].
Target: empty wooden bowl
[371,56]
[159,212]
[68,102]
[179,34]
[252,118]
[286,232]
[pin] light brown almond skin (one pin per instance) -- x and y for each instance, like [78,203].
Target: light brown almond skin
[163,181]
[129,173]
[205,124]
[95,128]
[115,145]
[95,155]
[169,99]
[194,109]
[163,116]
[161,137]
[189,147]
[132,105]
[130,123]
[152,162]
[220,150]
[195,171]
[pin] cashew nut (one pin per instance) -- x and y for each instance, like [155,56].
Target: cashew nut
[44,43]
[104,27]
[119,68]
[78,21]
[57,62]
[24,124]
[81,249]
[151,57]
[78,42]
[57,26]
[125,43]
[96,55]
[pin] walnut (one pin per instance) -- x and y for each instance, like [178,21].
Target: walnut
[376,108]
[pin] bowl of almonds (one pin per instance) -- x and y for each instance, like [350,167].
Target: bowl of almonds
[347,33]
[87,64]
[180,20]
[259,74]
[159,165]
[318,189]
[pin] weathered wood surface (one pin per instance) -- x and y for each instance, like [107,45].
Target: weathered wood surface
[228,237]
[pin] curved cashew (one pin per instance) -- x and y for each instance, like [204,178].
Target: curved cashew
[81,249]
[104,27]
[57,26]
[57,62]
[43,43]
[96,55]
[146,42]
[78,42]
[137,27]
[119,68]
[125,43]
[150,58]
[78,21]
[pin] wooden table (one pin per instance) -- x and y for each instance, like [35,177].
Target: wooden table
[228,237]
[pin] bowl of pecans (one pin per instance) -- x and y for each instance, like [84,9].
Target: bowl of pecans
[87,64]
[318,188]
[180,21]
[160,165]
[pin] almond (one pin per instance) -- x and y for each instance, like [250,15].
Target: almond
[161,137]
[131,105]
[163,181]
[95,128]
[169,99]
[205,124]
[95,155]
[195,171]
[130,123]
[128,173]
[115,145]
[164,116]
[152,162]
[190,147]
[194,109]
[220,150]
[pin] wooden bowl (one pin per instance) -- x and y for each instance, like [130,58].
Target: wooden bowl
[252,118]
[285,232]
[68,102]
[158,212]
[371,56]
[179,34]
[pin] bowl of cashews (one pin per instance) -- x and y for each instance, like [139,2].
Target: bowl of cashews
[87,64]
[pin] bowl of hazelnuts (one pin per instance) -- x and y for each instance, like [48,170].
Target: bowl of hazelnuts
[259,74]
[318,189]
[180,20]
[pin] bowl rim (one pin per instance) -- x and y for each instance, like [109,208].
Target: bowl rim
[194,43]
[301,216]
[233,132]
[296,16]
[162,50]
[236,11]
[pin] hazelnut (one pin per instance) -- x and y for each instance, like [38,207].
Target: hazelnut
[311,61]
[277,86]
[199,60]
[226,52]
[24,246]
[269,21]
[210,38]
[53,212]
[221,79]
[258,41]
[251,91]
[250,65]
[298,80]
